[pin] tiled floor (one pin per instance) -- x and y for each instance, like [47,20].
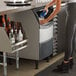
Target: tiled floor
[27,67]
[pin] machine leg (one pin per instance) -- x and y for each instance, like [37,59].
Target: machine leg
[36,64]
[17,60]
[47,59]
[5,63]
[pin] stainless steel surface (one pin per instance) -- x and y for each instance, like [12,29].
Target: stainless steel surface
[6,9]
[20,48]
[17,60]
[5,63]
[19,43]
[5,45]
[1,63]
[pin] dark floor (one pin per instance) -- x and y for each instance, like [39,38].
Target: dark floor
[48,71]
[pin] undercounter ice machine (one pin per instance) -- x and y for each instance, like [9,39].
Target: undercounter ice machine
[45,34]
[40,37]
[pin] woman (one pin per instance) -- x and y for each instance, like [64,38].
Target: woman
[70,38]
[70,33]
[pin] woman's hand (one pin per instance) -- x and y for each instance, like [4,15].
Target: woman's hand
[41,22]
[46,9]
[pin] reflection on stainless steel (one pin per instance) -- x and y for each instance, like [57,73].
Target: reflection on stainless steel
[18,3]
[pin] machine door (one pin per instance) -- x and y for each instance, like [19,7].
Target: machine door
[46,33]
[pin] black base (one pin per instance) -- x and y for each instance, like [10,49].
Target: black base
[47,59]
[36,64]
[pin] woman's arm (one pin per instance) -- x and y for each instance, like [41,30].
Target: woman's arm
[51,3]
[57,9]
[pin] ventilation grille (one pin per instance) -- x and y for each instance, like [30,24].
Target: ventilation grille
[55,35]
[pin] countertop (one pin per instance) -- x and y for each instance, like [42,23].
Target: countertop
[8,9]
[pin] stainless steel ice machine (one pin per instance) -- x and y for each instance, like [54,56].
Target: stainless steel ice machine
[40,38]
